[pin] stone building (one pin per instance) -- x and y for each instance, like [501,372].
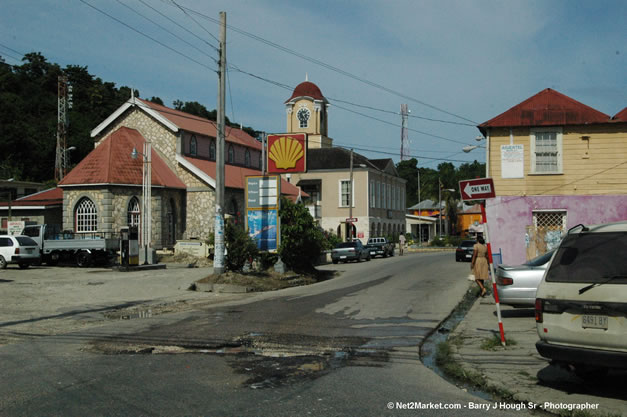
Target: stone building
[103,192]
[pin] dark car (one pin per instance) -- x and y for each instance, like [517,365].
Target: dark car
[464,251]
[350,251]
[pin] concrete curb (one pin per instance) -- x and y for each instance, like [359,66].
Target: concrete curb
[518,368]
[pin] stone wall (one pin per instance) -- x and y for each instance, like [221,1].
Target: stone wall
[112,206]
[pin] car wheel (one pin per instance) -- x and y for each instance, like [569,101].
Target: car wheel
[3,262]
[368,258]
[334,261]
[83,259]
[23,266]
[385,255]
[52,259]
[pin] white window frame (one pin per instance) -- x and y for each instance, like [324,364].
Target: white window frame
[559,145]
[341,200]
[378,195]
[86,216]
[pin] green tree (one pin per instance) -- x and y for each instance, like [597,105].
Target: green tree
[239,246]
[302,241]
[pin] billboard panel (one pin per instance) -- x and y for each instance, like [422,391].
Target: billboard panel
[263,227]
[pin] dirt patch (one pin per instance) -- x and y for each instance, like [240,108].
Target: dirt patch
[183,258]
[268,280]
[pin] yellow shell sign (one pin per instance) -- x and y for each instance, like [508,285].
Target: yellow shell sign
[287,153]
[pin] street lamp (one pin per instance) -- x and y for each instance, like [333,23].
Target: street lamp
[473,147]
[146,213]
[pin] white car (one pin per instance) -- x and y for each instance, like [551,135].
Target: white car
[21,250]
[581,303]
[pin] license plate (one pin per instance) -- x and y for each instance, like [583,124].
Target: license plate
[592,321]
[29,250]
[468,256]
[373,253]
[342,257]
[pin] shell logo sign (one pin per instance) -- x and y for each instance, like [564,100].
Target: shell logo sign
[287,153]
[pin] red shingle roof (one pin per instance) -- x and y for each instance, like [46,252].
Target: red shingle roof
[111,163]
[547,108]
[200,125]
[307,89]
[50,197]
[235,177]
[621,116]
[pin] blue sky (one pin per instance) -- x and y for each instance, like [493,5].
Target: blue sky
[472,59]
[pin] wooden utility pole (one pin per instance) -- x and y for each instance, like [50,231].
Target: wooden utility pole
[219,261]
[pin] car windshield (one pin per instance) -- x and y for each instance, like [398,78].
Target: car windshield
[25,241]
[540,260]
[468,244]
[590,258]
[346,245]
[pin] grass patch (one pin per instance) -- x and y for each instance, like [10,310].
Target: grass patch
[494,343]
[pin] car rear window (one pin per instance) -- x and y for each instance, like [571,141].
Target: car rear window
[346,245]
[591,258]
[25,241]
[468,243]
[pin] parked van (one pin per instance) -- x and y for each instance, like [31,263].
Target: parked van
[581,303]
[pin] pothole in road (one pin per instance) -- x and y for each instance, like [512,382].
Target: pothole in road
[270,361]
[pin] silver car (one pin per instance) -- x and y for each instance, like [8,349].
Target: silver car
[517,285]
[21,250]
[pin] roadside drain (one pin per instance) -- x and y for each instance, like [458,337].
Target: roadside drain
[428,350]
[269,361]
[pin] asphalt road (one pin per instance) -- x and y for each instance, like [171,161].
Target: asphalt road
[346,346]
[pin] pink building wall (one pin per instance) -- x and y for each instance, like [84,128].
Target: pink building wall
[508,217]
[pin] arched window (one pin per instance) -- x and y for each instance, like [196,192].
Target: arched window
[247,158]
[212,150]
[231,154]
[133,212]
[85,216]
[193,146]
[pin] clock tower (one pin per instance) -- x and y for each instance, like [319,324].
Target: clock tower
[307,113]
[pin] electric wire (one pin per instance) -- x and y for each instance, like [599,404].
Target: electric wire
[147,36]
[194,20]
[328,66]
[181,26]
[167,30]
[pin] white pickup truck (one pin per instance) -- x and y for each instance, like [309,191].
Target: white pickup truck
[83,249]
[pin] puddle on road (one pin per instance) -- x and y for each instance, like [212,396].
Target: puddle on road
[269,361]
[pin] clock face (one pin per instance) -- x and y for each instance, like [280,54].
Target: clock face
[303,115]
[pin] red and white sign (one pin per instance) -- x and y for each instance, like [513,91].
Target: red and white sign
[351,220]
[478,189]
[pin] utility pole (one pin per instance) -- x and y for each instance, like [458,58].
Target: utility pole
[218,264]
[350,198]
[419,210]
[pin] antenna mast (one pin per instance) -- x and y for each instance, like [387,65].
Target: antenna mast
[64,103]
[404,139]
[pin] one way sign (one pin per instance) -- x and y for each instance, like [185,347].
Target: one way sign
[478,189]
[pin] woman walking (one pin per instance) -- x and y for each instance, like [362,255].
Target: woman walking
[479,264]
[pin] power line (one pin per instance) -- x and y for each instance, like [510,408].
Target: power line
[179,25]
[12,50]
[328,66]
[147,36]
[289,88]
[167,30]
[194,20]
[396,113]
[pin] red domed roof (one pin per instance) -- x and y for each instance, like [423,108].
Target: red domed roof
[307,89]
